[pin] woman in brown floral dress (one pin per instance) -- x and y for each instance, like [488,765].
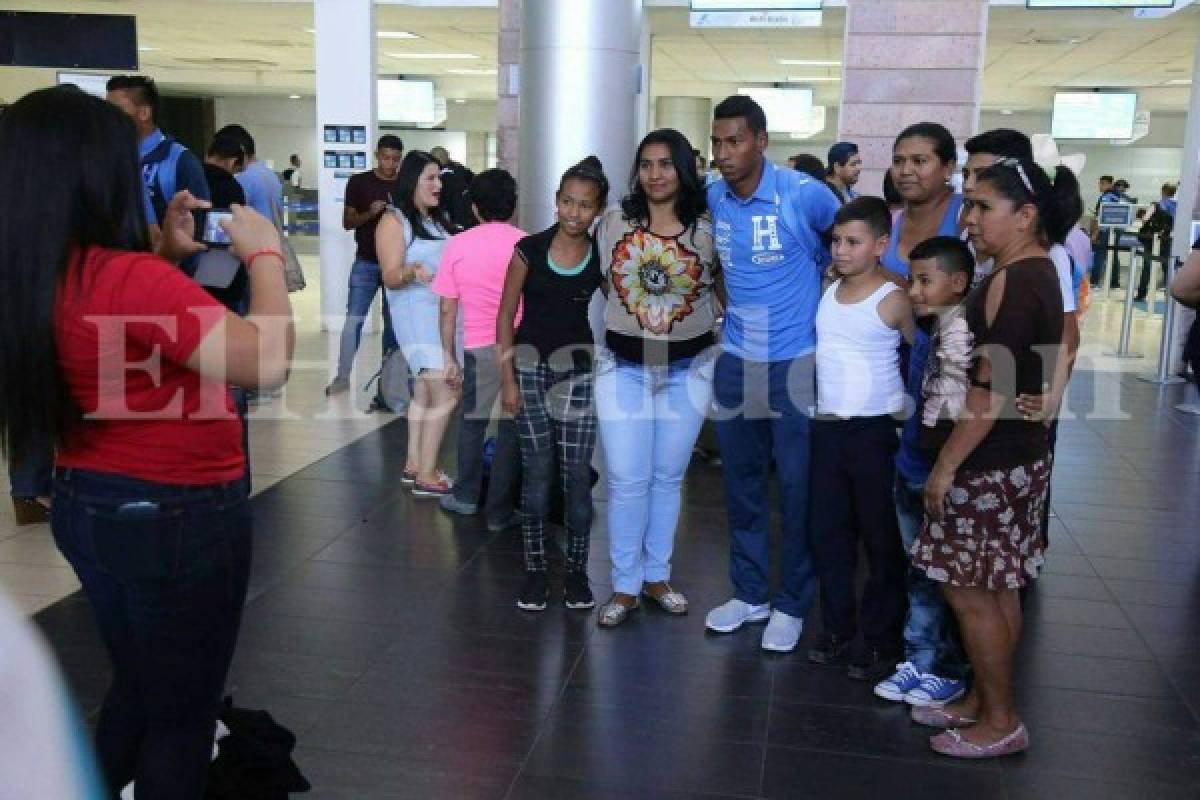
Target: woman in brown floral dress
[982,534]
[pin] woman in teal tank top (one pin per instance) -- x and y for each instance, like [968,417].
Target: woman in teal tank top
[924,158]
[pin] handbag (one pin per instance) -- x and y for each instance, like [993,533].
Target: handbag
[293,272]
[393,386]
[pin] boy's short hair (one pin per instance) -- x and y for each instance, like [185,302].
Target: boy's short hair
[871,210]
[951,254]
[494,193]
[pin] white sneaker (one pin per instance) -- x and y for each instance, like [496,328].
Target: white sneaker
[729,617]
[782,633]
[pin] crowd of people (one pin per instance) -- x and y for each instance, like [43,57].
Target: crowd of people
[839,317]
[894,365]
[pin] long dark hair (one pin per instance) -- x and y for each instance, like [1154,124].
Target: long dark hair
[690,202]
[406,189]
[71,177]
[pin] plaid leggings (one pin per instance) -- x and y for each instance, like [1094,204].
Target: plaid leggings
[556,411]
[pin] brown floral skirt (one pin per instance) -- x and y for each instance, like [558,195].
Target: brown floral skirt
[991,533]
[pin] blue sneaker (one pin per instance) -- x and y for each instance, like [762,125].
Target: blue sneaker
[896,688]
[935,691]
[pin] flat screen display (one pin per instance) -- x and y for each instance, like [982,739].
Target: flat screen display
[1093,115]
[69,41]
[1039,4]
[787,110]
[406,101]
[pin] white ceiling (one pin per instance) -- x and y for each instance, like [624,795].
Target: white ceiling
[259,46]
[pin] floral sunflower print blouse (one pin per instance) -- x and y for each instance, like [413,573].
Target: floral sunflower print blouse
[661,305]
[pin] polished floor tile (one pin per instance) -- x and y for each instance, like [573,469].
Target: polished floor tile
[384,633]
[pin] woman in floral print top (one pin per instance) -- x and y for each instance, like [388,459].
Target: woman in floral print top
[654,381]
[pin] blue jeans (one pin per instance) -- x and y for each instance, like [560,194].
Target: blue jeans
[931,641]
[763,414]
[649,420]
[165,570]
[365,280]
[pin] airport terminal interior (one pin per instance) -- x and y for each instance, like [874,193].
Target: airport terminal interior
[382,631]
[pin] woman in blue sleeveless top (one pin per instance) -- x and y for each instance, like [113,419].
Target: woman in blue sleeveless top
[924,158]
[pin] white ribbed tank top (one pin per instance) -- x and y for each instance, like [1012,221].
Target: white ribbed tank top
[858,358]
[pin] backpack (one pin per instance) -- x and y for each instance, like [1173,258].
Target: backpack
[1159,222]
[159,168]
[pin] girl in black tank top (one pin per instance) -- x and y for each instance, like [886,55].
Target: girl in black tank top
[547,381]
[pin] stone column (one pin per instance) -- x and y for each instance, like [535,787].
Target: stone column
[691,116]
[345,61]
[508,117]
[907,61]
[579,86]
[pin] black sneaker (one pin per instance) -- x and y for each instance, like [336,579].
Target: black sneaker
[534,592]
[577,593]
[829,649]
[872,665]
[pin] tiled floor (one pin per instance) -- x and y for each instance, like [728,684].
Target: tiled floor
[384,634]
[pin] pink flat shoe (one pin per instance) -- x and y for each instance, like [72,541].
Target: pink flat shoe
[951,743]
[939,717]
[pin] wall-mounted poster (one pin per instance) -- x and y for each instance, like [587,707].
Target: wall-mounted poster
[359,134]
[331,160]
[331,134]
[360,160]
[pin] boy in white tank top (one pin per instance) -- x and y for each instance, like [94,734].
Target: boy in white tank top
[861,321]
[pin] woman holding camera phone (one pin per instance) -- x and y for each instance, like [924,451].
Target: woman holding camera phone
[110,351]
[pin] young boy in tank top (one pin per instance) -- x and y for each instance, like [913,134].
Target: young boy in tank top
[934,669]
[861,321]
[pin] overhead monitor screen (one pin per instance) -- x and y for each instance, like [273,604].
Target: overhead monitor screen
[1093,115]
[69,41]
[406,101]
[1099,3]
[787,110]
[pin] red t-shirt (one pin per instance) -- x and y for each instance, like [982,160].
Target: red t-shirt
[125,324]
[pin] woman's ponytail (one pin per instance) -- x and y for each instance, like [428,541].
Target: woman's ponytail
[1063,207]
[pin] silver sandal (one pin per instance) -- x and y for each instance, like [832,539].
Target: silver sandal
[613,613]
[670,601]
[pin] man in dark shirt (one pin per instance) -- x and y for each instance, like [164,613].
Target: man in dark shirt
[368,195]
[225,158]
[1102,238]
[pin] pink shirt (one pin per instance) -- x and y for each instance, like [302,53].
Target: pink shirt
[472,272]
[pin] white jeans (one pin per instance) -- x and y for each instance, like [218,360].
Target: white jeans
[649,420]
